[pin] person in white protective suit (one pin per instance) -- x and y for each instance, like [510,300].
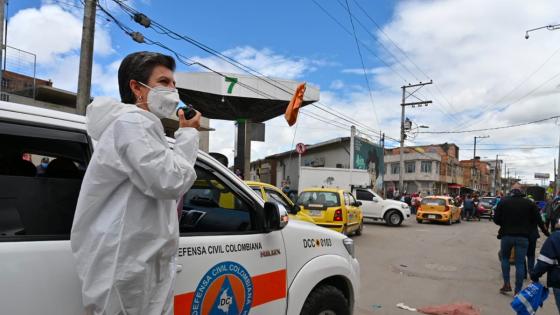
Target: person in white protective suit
[125,233]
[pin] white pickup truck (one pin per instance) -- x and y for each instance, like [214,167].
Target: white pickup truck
[227,231]
[374,207]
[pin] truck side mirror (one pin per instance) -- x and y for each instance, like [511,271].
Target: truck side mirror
[275,216]
[357,204]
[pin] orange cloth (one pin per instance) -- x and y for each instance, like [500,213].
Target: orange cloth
[450,309]
[294,105]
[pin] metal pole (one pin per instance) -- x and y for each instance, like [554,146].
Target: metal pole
[496,176]
[401,153]
[474,166]
[352,136]
[384,167]
[2,46]
[86,57]
[558,169]
[34,75]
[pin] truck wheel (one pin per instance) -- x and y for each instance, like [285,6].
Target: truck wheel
[325,300]
[359,230]
[393,218]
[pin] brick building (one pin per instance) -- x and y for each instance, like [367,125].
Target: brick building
[477,175]
[431,169]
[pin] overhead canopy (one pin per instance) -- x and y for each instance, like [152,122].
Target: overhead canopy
[239,96]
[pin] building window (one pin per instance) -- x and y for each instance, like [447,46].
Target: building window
[448,170]
[5,83]
[426,167]
[395,169]
[4,97]
[410,167]
[437,167]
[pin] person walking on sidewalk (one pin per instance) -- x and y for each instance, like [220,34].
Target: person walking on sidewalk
[516,216]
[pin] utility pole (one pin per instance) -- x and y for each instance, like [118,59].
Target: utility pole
[558,170]
[2,44]
[474,172]
[495,177]
[86,57]
[403,131]
[382,170]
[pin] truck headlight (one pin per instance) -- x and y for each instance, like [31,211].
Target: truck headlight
[349,244]
[404,205]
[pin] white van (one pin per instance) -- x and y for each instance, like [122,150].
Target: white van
[272,266]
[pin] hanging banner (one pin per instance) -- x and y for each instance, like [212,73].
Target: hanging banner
[369,156]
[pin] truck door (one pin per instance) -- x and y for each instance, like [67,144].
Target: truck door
[227,264]
[371,204]
[37,207]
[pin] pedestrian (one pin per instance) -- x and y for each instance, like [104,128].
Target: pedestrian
[533,237]
[476,207]
[125,233]
[547,262]
[516,216]
[468,207]
[552,213]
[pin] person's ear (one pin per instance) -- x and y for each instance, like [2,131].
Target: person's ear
[136,89]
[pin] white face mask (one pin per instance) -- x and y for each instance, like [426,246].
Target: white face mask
[162,101]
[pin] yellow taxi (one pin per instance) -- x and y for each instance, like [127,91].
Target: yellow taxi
[332,208]
[272,193]
[438,209]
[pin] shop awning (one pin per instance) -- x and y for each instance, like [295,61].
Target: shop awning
[454,186]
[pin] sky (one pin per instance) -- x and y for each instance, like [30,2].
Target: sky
[485,73]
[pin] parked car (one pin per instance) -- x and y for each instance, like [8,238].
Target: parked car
[227,232]
[272,193]
[332,208]
[438,209]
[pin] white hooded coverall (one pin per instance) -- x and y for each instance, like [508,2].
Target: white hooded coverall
[125,233]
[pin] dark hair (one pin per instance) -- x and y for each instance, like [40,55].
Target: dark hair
[139,66]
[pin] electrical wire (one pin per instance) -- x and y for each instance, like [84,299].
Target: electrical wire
[494,128]
[362,61]
[247,69]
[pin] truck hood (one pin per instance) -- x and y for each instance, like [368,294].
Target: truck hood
[395,203]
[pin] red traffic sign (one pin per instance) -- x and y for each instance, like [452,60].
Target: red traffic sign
[301,148]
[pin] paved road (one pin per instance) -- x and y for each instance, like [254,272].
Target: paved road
[430,264]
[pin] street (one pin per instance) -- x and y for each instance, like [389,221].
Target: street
[431,264]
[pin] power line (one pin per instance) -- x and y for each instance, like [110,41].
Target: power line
[494,128]
[163,30]
[362,60]
[362,43]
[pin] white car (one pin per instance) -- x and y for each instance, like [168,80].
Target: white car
[230,238]
[374,207]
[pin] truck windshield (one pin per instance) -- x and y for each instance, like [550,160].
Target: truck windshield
[318,199]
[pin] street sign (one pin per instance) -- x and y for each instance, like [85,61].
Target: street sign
[301,148]
[542,175]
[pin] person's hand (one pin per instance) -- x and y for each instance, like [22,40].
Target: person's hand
[546,233]
[191,123]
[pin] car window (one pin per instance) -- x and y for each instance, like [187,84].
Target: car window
[318,199]
[351,199]
[346,199]
[41,172]
[364,195]
[211,205]
[257,190]
[433,202]
[274,196]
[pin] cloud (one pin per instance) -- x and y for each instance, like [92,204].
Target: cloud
[53,33]
[264,61]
